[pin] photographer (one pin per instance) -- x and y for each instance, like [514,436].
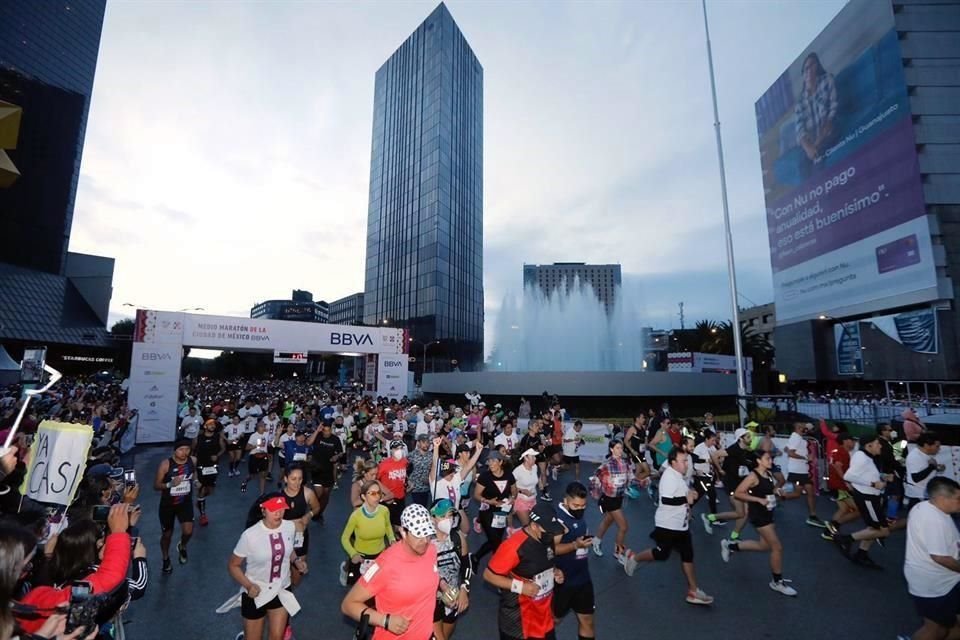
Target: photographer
[76,557]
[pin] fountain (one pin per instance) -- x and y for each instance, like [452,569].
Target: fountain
[567,329]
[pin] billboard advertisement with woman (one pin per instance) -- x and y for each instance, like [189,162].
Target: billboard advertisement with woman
[845,212]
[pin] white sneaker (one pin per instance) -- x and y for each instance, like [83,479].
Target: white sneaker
[629,563]
[343,574]
[783,587]
[699,597]
[597,551]
[707,525]
[725,550]
[553,473]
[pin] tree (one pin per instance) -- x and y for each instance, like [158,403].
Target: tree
[123,327]
[717,337]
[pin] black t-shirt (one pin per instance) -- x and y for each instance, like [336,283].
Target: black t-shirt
[531,441]
[324,448]
[496,488]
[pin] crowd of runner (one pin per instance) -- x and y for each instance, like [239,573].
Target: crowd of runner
[443,497]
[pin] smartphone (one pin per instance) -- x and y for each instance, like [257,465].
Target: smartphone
[100,512]
[130,477]
[81,614]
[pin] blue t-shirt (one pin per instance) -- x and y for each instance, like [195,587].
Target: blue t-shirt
[576,570]
[291,449]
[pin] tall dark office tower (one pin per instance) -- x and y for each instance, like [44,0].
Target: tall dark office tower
[424,269]
[48,55]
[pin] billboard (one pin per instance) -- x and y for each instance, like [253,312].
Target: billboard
[846,340]
[392,376]
[845,212]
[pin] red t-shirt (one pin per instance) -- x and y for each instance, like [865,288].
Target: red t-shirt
[393,474]
[841,456]
[557,437]
[404,584]
[524,558]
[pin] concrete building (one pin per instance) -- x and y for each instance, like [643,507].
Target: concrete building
[300,308]
[604,278]
[347,310]
[759,320]
[424,260]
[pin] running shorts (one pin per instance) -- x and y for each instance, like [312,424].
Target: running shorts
[552,450]
[799,479]
[942,610]
[578,598]
[571,459]
[440,614]
[609,505]
[871,509]
[669,540]
[250,611]
[524,503]
[182,512]
[259,463]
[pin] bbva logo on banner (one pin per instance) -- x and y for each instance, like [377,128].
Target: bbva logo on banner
[337,337]
[149,355]
[392,363]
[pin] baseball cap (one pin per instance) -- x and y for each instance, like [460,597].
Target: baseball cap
[397,444]
[739,433]
[441,508]
[529,452]
[544,515]
[182,442]
[274,504]
[416,519]
[494,455]
[751,425]
[447,466]
[423,436]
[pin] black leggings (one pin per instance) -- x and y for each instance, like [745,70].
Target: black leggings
[494,536]
[705,483]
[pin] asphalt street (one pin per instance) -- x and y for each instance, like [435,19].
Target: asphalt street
[836,599]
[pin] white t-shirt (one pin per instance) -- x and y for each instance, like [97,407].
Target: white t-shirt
[930,532]
[799,447]
[190,426]
[449,489]
[272,424]
[571,442]
[673,517]
[423,428]
[917,461]
[527,480]
[509,441]
[233,431]
[705,453]
[267,552]
[258,442]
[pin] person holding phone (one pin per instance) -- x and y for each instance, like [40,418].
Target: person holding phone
[174,481]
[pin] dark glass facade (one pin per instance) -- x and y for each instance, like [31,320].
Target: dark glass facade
[424,266]
[48,55]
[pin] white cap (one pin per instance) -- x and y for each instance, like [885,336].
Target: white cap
[739,433]
[416,519]
[530,452]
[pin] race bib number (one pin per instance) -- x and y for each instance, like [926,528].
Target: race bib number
[743,471]
[618,480]
[206,471]
[298,539]
[299,457]
[544,580]
[181,489]
[499,521]
[582,554]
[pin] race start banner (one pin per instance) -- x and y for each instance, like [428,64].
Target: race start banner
[58,457]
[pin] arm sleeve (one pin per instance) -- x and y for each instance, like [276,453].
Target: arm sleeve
[387,526]
[919,476]
[116,562]
[348,533]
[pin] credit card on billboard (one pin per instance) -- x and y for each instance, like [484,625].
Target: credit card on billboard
[898,254]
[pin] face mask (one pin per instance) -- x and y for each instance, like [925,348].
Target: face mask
[577,513]
[398,454]
[893,435]
[444,526]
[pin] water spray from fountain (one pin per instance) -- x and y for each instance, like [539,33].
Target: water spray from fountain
[567,329]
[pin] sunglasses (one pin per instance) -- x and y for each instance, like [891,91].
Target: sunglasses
[373,493]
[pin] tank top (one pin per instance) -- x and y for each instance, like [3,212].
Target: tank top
[183,491]
[763,488]
[636,441]
[448,560]
[207,447]
[298,505]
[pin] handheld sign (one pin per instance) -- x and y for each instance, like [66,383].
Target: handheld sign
[58,457]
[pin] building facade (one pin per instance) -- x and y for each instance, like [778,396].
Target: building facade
[906,329]
[605,279]
[347,310]
[424,254]
[48,56]
[299,308]
[759,320]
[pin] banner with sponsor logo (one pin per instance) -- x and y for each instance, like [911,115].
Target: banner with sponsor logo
[392,376]
[155,389]
[58,457]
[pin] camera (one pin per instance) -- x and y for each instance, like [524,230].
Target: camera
[83,608]
[100,513]
[130,477]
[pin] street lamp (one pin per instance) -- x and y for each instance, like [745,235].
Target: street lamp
[426,345]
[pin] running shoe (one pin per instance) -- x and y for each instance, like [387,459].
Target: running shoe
[707,523]
[288,633]
[553,472]
[545,496]
[243,487]
[167,566]
[843,543]
[343,574]
[629,563]
[597,551]
[814,521]
[699,597]
[864,560]
[632,492]
[476,525]
[270,479]
[826,535]
[725,550]
[781,586]
[879,542]
[182,553]
[239,636]
[203,520]
[719,523]
[831,526]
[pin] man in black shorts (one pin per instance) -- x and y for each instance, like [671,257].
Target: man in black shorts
[572,553]
[327,451]
[207,449]
[174,481]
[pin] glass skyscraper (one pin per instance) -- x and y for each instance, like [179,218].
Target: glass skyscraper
[424,267]
[48,55]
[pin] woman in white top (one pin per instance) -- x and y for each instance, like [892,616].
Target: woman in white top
[267,550]
[867,486]
[528,479]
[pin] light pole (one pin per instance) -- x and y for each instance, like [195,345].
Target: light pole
[426,345]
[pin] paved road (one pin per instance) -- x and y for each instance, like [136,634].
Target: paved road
[836,599]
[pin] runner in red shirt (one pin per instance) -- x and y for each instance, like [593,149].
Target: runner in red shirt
[523,569]
[392,473]
[404,581]
[838,461]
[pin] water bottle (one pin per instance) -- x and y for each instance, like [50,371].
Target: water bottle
[771,502]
